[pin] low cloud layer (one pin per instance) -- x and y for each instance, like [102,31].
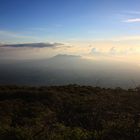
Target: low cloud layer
[100,50]
[113,51]
[31,50]
[33,45]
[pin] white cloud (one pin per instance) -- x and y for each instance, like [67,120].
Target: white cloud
[132,20]
[114,52]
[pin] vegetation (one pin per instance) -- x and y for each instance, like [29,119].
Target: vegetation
[69,113]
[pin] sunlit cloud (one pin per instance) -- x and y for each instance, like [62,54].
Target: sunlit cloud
[114,51]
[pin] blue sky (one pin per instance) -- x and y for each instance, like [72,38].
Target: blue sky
[62,20]
[102,30]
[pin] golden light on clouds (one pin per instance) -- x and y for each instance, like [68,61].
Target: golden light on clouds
[120,49]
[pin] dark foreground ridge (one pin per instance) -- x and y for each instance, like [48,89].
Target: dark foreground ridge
[69,113]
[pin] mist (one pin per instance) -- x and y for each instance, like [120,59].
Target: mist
[65,69]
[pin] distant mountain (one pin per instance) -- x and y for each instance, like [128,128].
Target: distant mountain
[69,69]
[66,56]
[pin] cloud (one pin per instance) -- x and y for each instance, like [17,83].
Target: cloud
[132,20]
[125,51]
[113,51]
[95,51]
[33,50]
[33,45]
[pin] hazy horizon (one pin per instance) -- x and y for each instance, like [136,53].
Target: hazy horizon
[92,42]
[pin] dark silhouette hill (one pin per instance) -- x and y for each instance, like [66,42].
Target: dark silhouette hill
[69,112]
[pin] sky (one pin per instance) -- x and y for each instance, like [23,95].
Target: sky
[104,32]
[85,27]
[68,20]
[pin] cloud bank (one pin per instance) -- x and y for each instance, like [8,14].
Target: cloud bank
[33,45]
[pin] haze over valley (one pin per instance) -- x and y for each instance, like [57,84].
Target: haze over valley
[84,68]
